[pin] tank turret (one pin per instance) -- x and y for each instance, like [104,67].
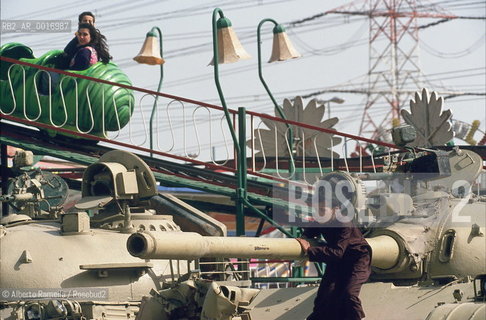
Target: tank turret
[425,226]
[427,232]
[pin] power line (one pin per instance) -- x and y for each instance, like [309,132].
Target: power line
[454,55]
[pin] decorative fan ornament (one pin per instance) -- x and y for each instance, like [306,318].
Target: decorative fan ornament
[432,125]
[272,139]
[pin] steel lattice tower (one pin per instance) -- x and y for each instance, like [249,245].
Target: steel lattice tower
[394,70]
[393,61]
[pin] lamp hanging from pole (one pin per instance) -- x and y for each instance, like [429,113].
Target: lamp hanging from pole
[282,48]
[229,47]
[150,52]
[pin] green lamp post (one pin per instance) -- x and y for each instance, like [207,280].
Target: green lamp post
[282,50]
[227,49]
[151,53]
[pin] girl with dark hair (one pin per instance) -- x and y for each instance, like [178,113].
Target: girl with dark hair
[91,48]
[71,48]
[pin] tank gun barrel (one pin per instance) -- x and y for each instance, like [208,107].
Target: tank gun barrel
[190,246]
[17,197]
[385,252]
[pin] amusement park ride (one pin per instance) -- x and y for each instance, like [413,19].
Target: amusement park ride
[137,253]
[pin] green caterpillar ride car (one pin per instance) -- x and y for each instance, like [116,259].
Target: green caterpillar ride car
[60,100]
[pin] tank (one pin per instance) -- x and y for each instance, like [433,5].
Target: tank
[125,258]
[74,264]
[425,226]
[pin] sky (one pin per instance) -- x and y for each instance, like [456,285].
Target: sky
[334,48]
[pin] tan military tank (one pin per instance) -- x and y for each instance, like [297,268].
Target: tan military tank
[74,265]
[429,248]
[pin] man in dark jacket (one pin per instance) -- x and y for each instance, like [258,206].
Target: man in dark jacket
[347,256]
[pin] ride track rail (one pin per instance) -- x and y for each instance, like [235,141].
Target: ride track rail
[167,173]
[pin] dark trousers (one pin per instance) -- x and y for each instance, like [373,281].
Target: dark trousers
[338,295]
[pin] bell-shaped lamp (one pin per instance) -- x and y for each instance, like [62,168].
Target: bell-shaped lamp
[150,52]
[282,48]
[229,47]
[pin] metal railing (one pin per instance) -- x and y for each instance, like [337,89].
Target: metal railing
[185,130]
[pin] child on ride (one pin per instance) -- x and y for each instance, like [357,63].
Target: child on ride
[90,49]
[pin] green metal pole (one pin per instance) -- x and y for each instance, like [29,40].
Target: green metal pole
[267,218]
[241,195]
[240,149]
[297,270]
[4,174]
[277,106]
[216,78]
[260,227]
[158,89]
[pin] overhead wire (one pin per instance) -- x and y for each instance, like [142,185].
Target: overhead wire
[48,10]
[454,55]
[190,12]
[353,41]
[58,38]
